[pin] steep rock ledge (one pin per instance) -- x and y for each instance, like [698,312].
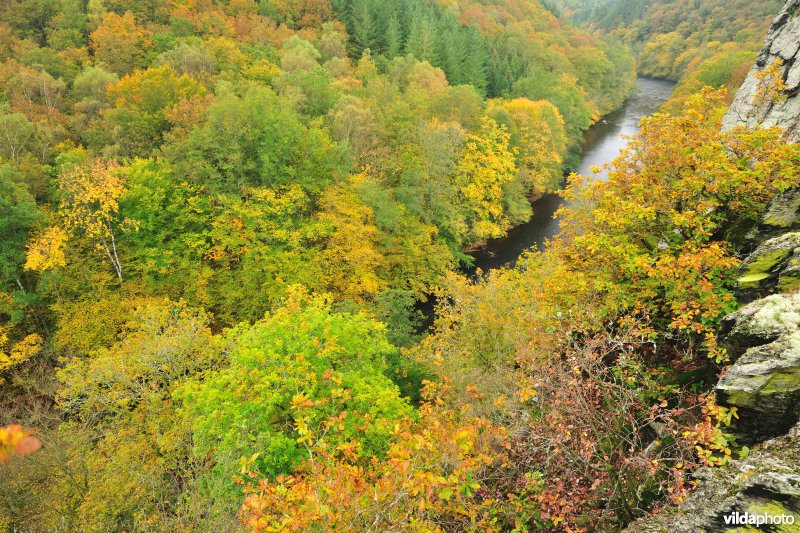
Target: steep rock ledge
[763,383]
[773,267]
[782,216]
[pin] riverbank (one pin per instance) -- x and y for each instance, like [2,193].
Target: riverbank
[603,142]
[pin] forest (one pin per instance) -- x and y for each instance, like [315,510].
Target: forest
[235,238]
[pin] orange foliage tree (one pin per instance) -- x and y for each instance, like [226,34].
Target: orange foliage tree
[428,480]
[16,441]
[120,43]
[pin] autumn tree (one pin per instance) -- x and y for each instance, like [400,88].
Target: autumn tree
[142,100]
[90,206]
[120,43]
[431,474]
[122,392]
[256,139]
[538,138]
[262,244]
[331,366]
[46,250]
[304,79]
[566,96]
[482,176]
[352,251]
[13,354]
[172,220]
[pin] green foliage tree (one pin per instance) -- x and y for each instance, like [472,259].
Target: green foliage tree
[305,355]
[19,215]
[255,139]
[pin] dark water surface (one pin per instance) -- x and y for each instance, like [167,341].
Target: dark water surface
[604,140]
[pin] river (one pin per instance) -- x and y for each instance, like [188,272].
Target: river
[603,142]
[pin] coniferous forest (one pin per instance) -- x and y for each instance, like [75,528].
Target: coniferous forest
[238,287]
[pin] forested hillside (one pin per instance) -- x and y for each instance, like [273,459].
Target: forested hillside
[219,221]
[702,42]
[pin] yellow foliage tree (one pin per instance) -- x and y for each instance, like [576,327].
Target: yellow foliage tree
[90,205]
[352,254]
[19,352]
[538,137]
[46,252]
[120,43]
[484,170]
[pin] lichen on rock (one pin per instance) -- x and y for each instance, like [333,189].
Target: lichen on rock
[760,322]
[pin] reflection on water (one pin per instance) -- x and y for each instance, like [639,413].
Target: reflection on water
[604,140]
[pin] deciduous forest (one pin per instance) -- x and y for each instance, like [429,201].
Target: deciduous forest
[236,289]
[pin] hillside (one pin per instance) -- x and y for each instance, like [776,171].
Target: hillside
[698,42]
[171,169]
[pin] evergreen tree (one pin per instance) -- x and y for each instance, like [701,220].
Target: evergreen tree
[394,38]
[363,28]
[421,39]
[475,61]
[451,53]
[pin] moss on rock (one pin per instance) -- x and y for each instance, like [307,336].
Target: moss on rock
[762,272]
[751,280]
[765,262]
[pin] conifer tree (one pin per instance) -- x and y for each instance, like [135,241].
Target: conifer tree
[363,30]
[394,38]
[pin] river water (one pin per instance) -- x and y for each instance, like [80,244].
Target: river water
[603,142]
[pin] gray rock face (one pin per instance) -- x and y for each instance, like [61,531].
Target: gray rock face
[764,386]
[783,213]
[766,481]
[782,44]
[763,338]
[761,322]
[782,216]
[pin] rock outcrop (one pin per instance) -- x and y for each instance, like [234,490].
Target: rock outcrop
[782,44]
[763,337]
[782,216]
[764,387]
[766,482]
[760,323]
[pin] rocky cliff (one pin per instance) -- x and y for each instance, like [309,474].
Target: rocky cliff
[763,336]
[782,44]
[763,383]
